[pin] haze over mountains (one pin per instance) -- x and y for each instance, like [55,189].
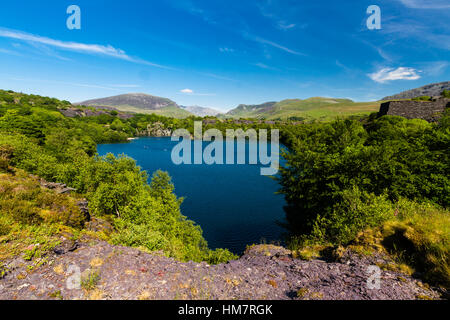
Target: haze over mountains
[202,111]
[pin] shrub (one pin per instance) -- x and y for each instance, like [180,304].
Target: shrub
[5,225]
[422,98]
[355,211]
[132,235]
[22,211]
[446,94]
[6,153]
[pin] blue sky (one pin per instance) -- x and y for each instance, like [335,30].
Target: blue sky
[222,53]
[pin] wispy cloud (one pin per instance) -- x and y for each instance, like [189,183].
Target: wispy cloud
[227,50]
[10,52]
[276,12]
[71,84]
[426,4]
[272,44]
[125,85]
[76,46]
[264,66]
[216,76]
[390,74]
[285,26]
[188,91]
[418,30]
[435,68]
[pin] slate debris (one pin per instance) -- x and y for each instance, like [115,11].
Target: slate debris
[263,272]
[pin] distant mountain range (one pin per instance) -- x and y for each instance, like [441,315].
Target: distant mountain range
[145,103]
[431,90]
[202,111]
[319,108]
[316,108]
[140,103]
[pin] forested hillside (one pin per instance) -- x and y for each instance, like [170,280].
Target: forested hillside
[37,139]
[377,184]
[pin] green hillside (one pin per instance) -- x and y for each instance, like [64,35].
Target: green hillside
[170,111]
[317,108]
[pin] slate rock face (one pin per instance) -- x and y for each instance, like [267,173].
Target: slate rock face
[431,90]
[263,272]
[427,110]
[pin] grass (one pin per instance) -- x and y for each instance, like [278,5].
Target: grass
[32,218]
[90,280]
[418,240]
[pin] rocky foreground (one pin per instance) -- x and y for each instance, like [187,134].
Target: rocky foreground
[93,269]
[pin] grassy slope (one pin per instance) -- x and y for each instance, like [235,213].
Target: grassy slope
[312,109]
[171,111]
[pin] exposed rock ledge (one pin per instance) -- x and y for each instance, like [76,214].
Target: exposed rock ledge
[263,272]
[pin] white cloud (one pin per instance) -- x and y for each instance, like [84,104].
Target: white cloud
[426,4]
[192,93]
[390,74]
[75,46]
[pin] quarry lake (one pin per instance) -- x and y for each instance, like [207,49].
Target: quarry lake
[234,205]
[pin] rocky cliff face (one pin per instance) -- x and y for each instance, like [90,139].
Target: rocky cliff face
[156,129]
[79,112]
[431,90]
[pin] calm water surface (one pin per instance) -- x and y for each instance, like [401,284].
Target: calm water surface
[234,205]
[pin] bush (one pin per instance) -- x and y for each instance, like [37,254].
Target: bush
[422,98]
[134,235]
[354,212]
[446,94]
[6,153]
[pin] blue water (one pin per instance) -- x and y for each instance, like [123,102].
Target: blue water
[234,205]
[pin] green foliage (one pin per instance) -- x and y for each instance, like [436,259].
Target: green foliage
[446,94]
[388,175]
[420,237]
[355,211]
[389,156]
[90,280]
[422,98]
[36,138]
[24,201]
